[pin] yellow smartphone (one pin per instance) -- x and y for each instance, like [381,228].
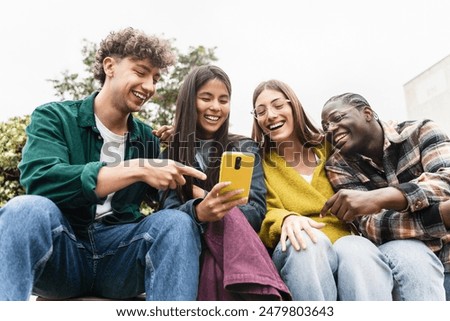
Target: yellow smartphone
[237,168]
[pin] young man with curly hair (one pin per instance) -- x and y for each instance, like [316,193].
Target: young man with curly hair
[87,166]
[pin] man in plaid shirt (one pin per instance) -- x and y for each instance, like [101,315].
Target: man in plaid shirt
[393,183]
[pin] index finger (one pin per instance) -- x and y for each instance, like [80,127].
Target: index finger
[191,171]
[161,130]
[218,187]
[157,132]
[283,241]
[328,204]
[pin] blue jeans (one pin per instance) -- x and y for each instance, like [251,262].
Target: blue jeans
[353,268]
[447,286]
[418,273]
[40,254]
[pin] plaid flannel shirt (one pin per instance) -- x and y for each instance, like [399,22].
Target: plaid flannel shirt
[416,160]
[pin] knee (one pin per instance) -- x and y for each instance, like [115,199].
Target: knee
[28,216]
[358,256]
[175,220]
[322,242]
[418,273]
[318,250]
[178,225]
[412,254]
[27,208]
[353,246]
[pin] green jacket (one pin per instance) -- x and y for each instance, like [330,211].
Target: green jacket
[60,161]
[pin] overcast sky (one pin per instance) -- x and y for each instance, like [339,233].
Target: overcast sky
[319,47]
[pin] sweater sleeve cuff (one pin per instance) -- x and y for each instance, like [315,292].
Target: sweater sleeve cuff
[189,208]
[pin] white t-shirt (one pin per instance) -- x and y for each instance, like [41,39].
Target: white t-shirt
[113,151]
[308,178]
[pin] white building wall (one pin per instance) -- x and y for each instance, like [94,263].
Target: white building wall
[428,94]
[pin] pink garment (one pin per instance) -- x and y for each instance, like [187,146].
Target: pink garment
[236,265]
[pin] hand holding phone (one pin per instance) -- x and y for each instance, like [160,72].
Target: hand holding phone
[237,168]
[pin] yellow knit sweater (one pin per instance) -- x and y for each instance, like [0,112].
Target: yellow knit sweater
[289,193]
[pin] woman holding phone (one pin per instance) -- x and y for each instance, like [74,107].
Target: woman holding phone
[199,138]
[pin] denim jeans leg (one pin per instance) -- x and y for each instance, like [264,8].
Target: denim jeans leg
[33,233]
[447,285]
[363,272]
[158,255]
[418,272]
[309,273]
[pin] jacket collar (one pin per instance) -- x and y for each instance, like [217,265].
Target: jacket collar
[391,133]
[86,117]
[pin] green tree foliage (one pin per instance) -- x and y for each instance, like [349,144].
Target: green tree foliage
[71,85]
[12,140]
[161,109]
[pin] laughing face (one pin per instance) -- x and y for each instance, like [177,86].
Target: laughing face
[274,115]
[132,82]
[346,127]
[213,107]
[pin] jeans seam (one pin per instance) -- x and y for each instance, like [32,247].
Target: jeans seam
[149,265]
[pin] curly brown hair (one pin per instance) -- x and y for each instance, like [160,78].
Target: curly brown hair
[130,42]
